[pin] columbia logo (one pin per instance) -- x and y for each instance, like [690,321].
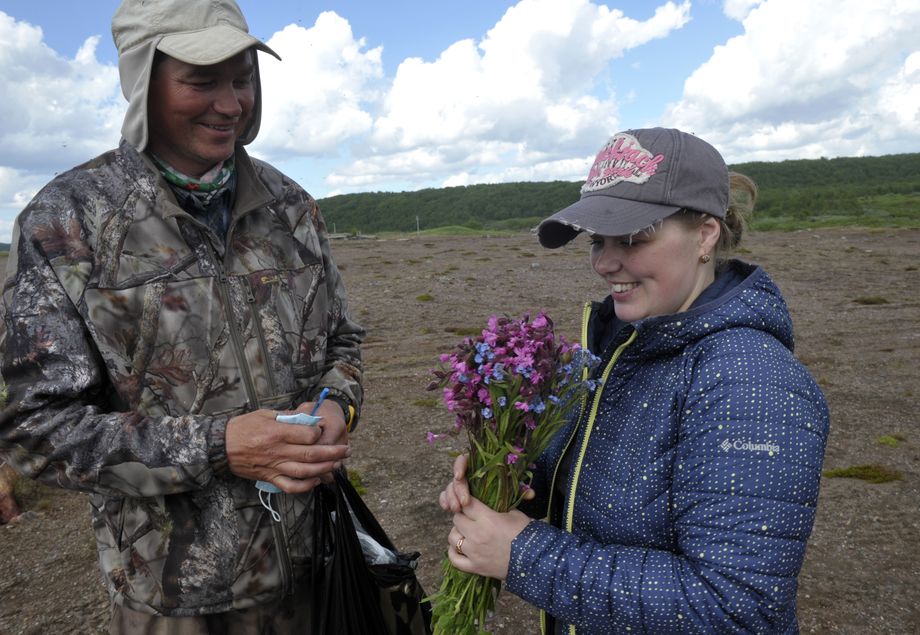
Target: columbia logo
[738,444]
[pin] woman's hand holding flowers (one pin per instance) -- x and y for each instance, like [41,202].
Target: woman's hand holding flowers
[487,536]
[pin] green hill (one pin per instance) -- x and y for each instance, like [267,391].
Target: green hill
[496,206]
[868,191]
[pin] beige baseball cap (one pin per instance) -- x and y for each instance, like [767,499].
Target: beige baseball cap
[200,32]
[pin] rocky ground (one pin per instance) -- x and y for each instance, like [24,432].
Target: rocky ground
[855,299]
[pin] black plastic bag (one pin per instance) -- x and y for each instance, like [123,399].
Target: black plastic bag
[351,596]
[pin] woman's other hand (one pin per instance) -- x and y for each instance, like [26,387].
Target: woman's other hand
[457,493]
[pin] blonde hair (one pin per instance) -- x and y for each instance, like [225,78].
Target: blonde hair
[741,200]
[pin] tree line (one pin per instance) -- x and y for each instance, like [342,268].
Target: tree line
[879,187]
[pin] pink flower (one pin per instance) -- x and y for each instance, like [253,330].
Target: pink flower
[514,455]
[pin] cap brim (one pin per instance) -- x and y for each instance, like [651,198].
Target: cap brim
[211,45]
[600,214]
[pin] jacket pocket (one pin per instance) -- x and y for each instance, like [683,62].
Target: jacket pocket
[287,339]
[167,346]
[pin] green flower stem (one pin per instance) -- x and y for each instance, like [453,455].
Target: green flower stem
[463,603]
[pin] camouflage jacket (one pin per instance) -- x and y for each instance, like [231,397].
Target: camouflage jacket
[133,334]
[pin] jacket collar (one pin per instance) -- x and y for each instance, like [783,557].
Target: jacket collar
[251,192]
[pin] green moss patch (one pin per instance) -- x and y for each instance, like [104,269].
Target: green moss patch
[464,331]
[869,473]
[354,477]
[891,440]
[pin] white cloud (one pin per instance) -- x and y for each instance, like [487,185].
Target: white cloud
[16,189]
[314,98]
[487,109]
[899,101]
[555,170]
[56,111]
[739,9]
[809,79]
[528,78]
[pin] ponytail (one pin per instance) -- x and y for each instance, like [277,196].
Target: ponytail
[742,196]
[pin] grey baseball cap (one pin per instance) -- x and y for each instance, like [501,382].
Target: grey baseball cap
[638,178]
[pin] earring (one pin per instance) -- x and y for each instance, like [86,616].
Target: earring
[705,258]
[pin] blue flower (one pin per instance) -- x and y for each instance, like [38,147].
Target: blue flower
[486,413]
[502,401]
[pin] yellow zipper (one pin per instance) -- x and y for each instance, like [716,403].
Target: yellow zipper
[585,314]
[584,401]
[570,512]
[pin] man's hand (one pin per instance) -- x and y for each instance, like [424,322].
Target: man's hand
[332,422]
[332,425]
[290,456]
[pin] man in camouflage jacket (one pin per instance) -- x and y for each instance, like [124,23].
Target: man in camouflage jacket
[145,354]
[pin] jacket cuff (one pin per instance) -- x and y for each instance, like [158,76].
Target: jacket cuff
[217,445]
[530,541]
[349,412]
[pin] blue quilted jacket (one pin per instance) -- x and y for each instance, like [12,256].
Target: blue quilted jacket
[693,478]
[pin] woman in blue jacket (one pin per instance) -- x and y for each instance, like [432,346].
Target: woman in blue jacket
[682,498]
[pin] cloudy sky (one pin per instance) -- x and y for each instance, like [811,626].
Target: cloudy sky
[391,96]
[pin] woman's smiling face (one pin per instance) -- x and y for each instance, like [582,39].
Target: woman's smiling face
[657,271]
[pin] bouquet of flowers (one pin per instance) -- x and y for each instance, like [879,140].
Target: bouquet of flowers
[511,389]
